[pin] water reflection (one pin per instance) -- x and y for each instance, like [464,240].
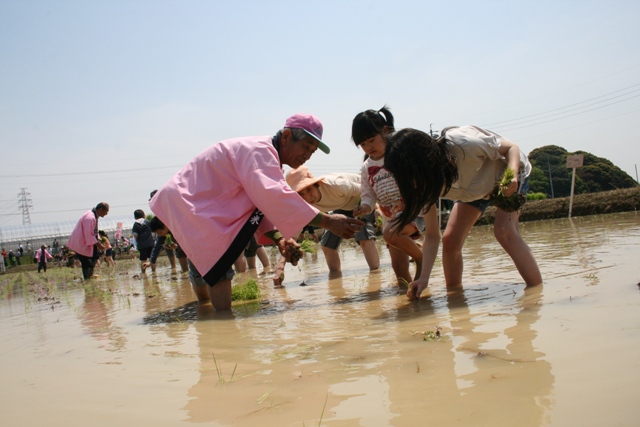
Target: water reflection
[351,348]
[485,365]
[97,321]
[499,373]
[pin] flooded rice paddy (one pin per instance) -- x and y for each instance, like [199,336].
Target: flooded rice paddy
[338,351]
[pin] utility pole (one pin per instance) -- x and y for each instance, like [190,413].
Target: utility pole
[24,202]
[550,180]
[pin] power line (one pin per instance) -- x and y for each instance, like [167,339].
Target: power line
[89,173]
[577,126]
[568,115]
[510,106]
[83,209]
[570,105]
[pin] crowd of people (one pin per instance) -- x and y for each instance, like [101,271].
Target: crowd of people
[213,214]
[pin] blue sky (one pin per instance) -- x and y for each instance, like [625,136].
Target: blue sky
[105,100]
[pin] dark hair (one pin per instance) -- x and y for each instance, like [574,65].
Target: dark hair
[138,213]
[422,169]
[371,123]
[102,205]
[102,233]
[155,224]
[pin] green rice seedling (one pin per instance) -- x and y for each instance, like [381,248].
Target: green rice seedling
[322,413]
[95,290]
[499,200]
[233,372]
[263,397]
[221,379]
[8,284]
[218,371]
[432,335]
[323,409]
[245,291]
[309,246]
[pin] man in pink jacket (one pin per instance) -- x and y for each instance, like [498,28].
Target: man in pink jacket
[235,189]
[84,240]
[42,256]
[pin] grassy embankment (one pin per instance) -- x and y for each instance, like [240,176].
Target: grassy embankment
[624,200]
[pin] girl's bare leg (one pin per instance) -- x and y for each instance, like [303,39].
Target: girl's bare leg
[333,259]
[240,264]
[184,266]
[508,235]
[400,265]
[461,220]
[403,242]
[261,252]
[371,254]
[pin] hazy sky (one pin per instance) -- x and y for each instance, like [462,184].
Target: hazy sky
[106,100]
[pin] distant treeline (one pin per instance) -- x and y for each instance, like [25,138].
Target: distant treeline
[550,166]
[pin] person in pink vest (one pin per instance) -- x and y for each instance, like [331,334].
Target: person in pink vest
[85,241]
[235,189]
[42,256]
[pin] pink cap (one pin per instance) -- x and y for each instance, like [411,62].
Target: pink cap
[311,125]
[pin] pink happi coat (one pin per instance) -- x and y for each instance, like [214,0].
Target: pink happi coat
[83,236]
[206,204]
[47,255]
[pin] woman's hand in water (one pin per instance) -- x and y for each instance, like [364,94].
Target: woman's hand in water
[416,287]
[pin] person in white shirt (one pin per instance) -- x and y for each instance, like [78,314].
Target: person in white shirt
[463,164]
[337,193]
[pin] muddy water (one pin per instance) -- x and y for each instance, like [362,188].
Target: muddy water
[342,351]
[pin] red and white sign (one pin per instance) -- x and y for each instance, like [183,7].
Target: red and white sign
[118,230]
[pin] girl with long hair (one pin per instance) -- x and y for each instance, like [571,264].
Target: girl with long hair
[463,165]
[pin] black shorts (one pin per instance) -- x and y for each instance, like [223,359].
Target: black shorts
[145,253]
[252,247]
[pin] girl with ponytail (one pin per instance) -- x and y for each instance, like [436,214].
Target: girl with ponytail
[377,185]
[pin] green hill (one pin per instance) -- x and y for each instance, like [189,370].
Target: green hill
[597,174]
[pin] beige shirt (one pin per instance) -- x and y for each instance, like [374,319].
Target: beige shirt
[479,163]
[339,191]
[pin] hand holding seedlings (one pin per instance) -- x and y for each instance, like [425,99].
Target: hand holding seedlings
[505,195]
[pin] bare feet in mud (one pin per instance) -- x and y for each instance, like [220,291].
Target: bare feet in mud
[145,265]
